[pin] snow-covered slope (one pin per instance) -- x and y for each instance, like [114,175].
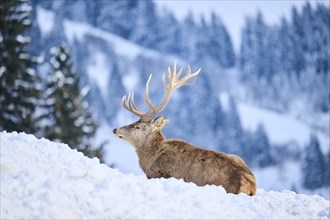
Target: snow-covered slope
[45,180]
[280,128]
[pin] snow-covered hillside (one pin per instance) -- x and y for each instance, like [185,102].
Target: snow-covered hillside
[46,180]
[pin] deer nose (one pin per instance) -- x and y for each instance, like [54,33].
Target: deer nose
[114,131]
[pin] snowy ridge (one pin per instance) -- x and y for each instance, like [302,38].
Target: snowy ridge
[42,179]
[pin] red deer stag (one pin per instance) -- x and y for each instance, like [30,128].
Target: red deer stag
[176,158]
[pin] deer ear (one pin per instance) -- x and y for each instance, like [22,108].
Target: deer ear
[160,122]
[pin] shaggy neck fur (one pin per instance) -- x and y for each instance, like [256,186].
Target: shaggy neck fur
[150,147]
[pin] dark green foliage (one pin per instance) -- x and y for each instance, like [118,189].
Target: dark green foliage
[67,116]
[19,88]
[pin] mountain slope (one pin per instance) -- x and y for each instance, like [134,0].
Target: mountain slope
[78,187]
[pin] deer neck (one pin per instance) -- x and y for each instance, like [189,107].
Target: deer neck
[149,148]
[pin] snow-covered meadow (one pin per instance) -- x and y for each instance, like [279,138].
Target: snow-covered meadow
[46,180]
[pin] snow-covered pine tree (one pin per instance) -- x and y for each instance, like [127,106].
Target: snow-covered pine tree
[318,55]
[261,149]
[19,85]
[260,30]
[92,12]
[203,41]
[322,38]
[114,94]
[313,165]
[170,40]
[247,51]
[297,36]
[220,45]
[285,47]
[145,30]
[68,117]
[327,170]
[189,35]
[233,132]
[118,17]
[289,62]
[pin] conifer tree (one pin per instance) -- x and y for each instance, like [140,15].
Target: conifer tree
[117,87]
[189,38]
[313,167]
[19,88]
[68,117]
[170,40]
[247,51]
[327,170]
[145,31]
[297,36]
[234,133]
[221,46]
[261,149]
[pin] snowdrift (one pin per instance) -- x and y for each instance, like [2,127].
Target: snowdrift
[46,180]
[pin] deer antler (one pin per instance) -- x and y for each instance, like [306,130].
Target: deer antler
[174,82]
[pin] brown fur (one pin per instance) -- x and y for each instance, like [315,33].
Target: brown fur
[176,158]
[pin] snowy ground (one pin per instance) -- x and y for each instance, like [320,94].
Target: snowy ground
[45,180]
[280,128]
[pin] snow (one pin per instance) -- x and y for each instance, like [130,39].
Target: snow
[130,81]
[2,70]
[98,69]
[278,178]
[286,176]
[45,20]
[77,30]
[280,128]
[23,40]
[78,187]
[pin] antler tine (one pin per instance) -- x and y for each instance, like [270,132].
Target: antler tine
[164,81]
[169,74]
[130,105]
[179,73]
[123,102]
[173,83]
[147,99]
[189,75]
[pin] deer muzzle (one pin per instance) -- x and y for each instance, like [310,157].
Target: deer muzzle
[115,132]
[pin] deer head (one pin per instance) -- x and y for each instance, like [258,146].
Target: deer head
[139,131]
